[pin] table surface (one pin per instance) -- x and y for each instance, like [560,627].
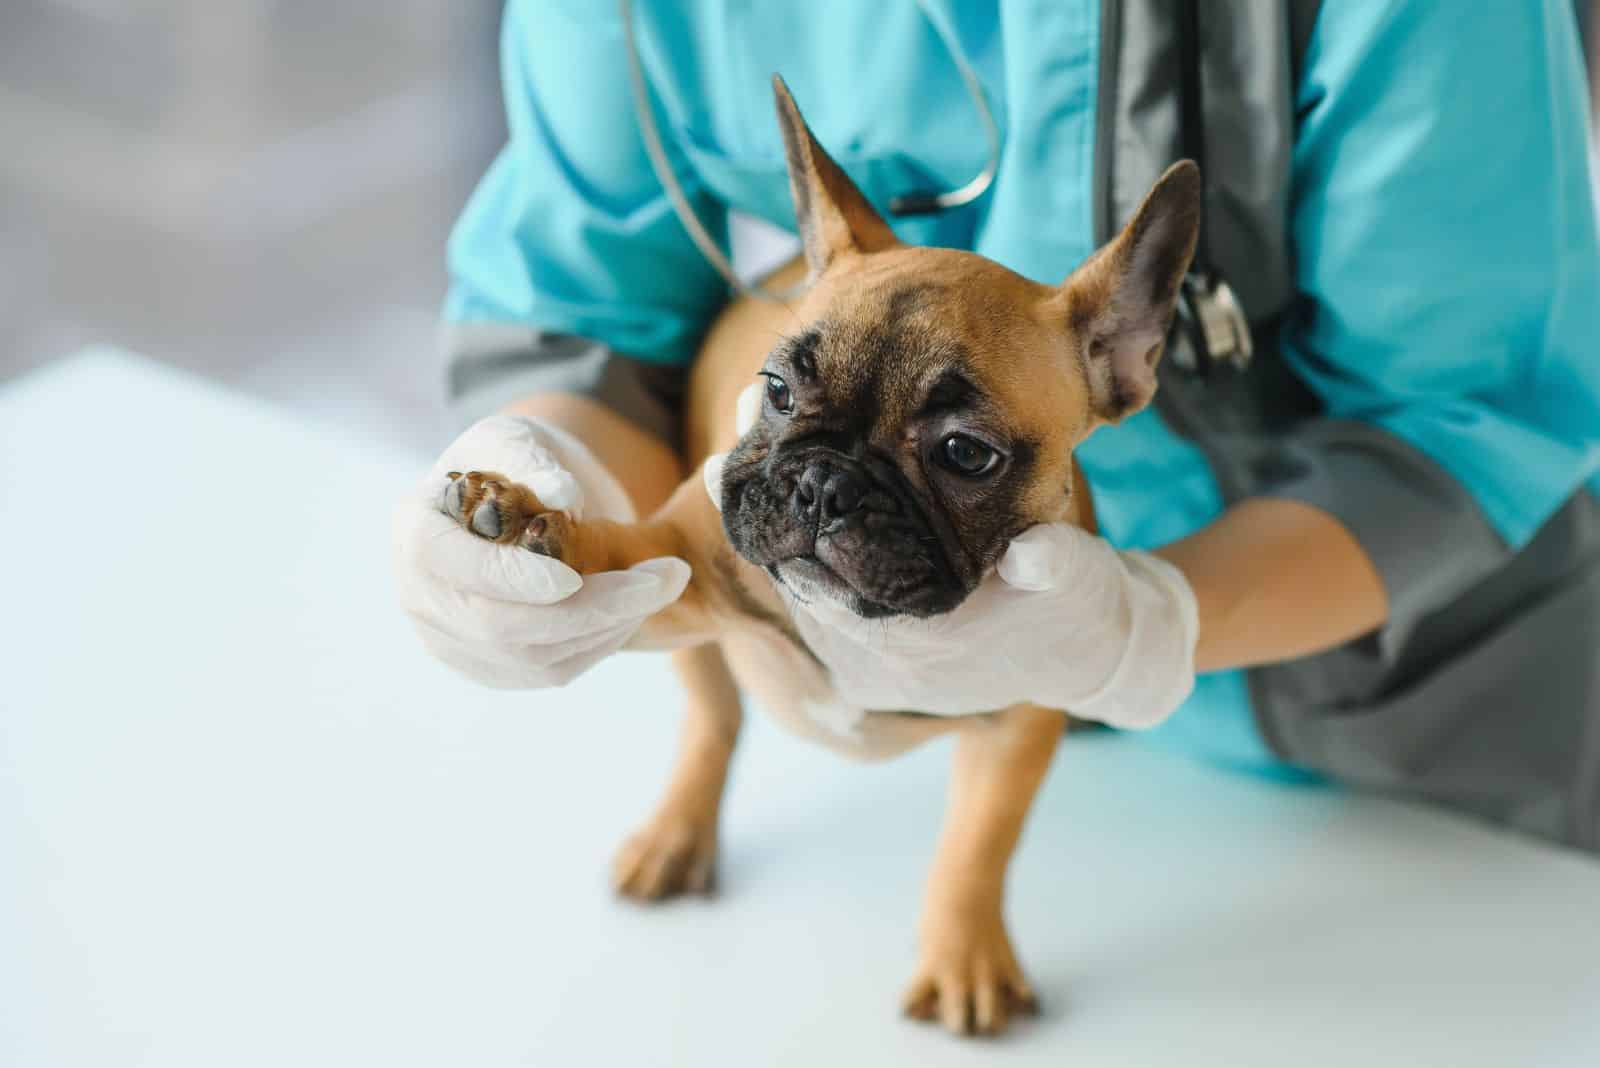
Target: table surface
[245,821]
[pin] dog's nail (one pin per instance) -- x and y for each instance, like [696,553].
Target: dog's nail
[450,500]
[486,520]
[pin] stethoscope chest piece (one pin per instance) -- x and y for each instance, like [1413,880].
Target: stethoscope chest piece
[1212,321]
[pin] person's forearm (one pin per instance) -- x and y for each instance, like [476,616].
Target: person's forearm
[1276,579]
[1273,578]
[647,469]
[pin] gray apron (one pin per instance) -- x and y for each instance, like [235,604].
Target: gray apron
[1482,691]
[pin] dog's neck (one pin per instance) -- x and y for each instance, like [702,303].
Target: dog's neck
[1082,503]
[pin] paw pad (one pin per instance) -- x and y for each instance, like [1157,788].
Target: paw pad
[486,518]
[493,507]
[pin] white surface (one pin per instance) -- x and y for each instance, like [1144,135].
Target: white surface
[244,822]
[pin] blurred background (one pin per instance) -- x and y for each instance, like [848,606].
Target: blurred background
[255,190]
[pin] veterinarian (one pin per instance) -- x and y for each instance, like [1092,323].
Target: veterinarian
[1376,447]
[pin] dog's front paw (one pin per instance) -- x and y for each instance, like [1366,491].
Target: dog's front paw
[494,507]
[675,853]
[968,978]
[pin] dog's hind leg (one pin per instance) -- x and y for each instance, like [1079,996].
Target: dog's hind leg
[675,851]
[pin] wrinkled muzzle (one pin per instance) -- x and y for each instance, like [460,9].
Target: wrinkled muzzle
[826,524]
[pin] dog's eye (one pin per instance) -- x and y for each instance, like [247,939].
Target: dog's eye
[779,394]
[967,456]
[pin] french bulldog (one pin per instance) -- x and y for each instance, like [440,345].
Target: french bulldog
[920,410]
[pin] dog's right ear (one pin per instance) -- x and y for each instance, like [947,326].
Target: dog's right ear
[832,215]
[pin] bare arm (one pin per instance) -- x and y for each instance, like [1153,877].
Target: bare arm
[1276,579]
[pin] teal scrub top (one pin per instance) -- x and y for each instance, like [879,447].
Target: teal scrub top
[1441,212]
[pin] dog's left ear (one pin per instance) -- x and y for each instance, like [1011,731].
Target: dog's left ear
[1119,302]
[831,213]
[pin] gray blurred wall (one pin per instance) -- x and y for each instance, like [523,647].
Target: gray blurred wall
[256,190]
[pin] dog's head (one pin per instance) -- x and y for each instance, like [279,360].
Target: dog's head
[925,407]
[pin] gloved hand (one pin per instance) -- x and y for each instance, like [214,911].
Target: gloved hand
[502,615]
[1066,621]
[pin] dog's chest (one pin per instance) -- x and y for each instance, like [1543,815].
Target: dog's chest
[795,691]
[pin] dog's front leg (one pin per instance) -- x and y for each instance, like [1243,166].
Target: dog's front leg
[687,526]
[968,977]
[676,850]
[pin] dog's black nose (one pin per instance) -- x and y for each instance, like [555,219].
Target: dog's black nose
[828,492]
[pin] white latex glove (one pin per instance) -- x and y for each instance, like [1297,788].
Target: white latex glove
[1066,621]
[502,615]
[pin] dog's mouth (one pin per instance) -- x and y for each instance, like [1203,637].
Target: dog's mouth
[809,581]
[876,570]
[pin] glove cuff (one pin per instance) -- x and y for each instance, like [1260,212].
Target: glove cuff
[545,458]
[1155,673]
[603,495]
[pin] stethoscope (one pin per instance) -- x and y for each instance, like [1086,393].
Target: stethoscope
[904,205]
[1209,316]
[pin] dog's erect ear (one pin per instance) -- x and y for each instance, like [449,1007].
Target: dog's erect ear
[1120,301]
[832,215]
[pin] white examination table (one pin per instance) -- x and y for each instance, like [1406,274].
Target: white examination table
[245,821]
